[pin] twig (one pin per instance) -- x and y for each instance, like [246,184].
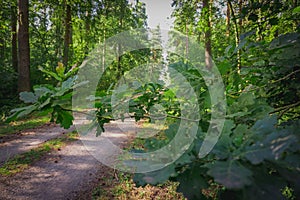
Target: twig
[271,82]
[287,76]
[284,109]
[132,116]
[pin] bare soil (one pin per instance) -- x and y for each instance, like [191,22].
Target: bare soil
[70,173]
[28,139]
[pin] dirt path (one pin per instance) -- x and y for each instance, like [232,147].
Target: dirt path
[29,139]
[64,174]
[55,177]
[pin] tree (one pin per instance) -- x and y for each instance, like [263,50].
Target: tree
[24,49]
[14,41]
[68,32]
[258,151]
[228,20]
[237,33]
[207,13]
[3,31]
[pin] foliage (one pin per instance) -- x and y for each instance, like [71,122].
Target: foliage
[27,123]
[258,57]
[55,100]
[118,185]
[244,156]
[253,152]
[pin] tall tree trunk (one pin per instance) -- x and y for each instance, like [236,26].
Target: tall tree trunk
[119,46]
[296,21]
[103,51]
[228,20]
[68,33]
[237,36]
[240,15]
[2,49]
[187,38]
[260,20]
[14,45]
[2,36]
[88,11]
[208,50]
[23,44]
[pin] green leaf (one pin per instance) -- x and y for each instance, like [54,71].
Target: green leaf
[279,142]
[228,51]
[184,159]
[27,111]
[237,114]
[228,126]
[284,41]
[54,75]
[265,126]
[60,70]
[296,10]
[68,84]
[41,90]
[222,148]
[272,147]
[72,71]
[246,99]
[21,112]
[64,118]
[257,153]
[238,134]
[265,186]
[28,97]
[65,87]
[155,177]
[240,46]
[192,182]
[15,112]
[231,174]
[169,94]
[224,67]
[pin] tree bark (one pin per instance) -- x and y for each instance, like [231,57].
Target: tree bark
[14,45]
[240,13]
[228,20]
[68,34]
[207,36]
[2,36]
[24,49]
[88,11]
[2,49]
[237,36]
[186,39]
[119,46]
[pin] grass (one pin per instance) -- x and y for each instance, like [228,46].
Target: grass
[23,161]
[118,185]
[147,130]
[23,124]
[121,186]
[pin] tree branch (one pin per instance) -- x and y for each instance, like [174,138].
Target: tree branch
[284,109]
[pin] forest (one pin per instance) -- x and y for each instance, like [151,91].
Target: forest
[216,99]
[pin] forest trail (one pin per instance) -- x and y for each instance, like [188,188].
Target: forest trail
[29,139]
[66,174]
